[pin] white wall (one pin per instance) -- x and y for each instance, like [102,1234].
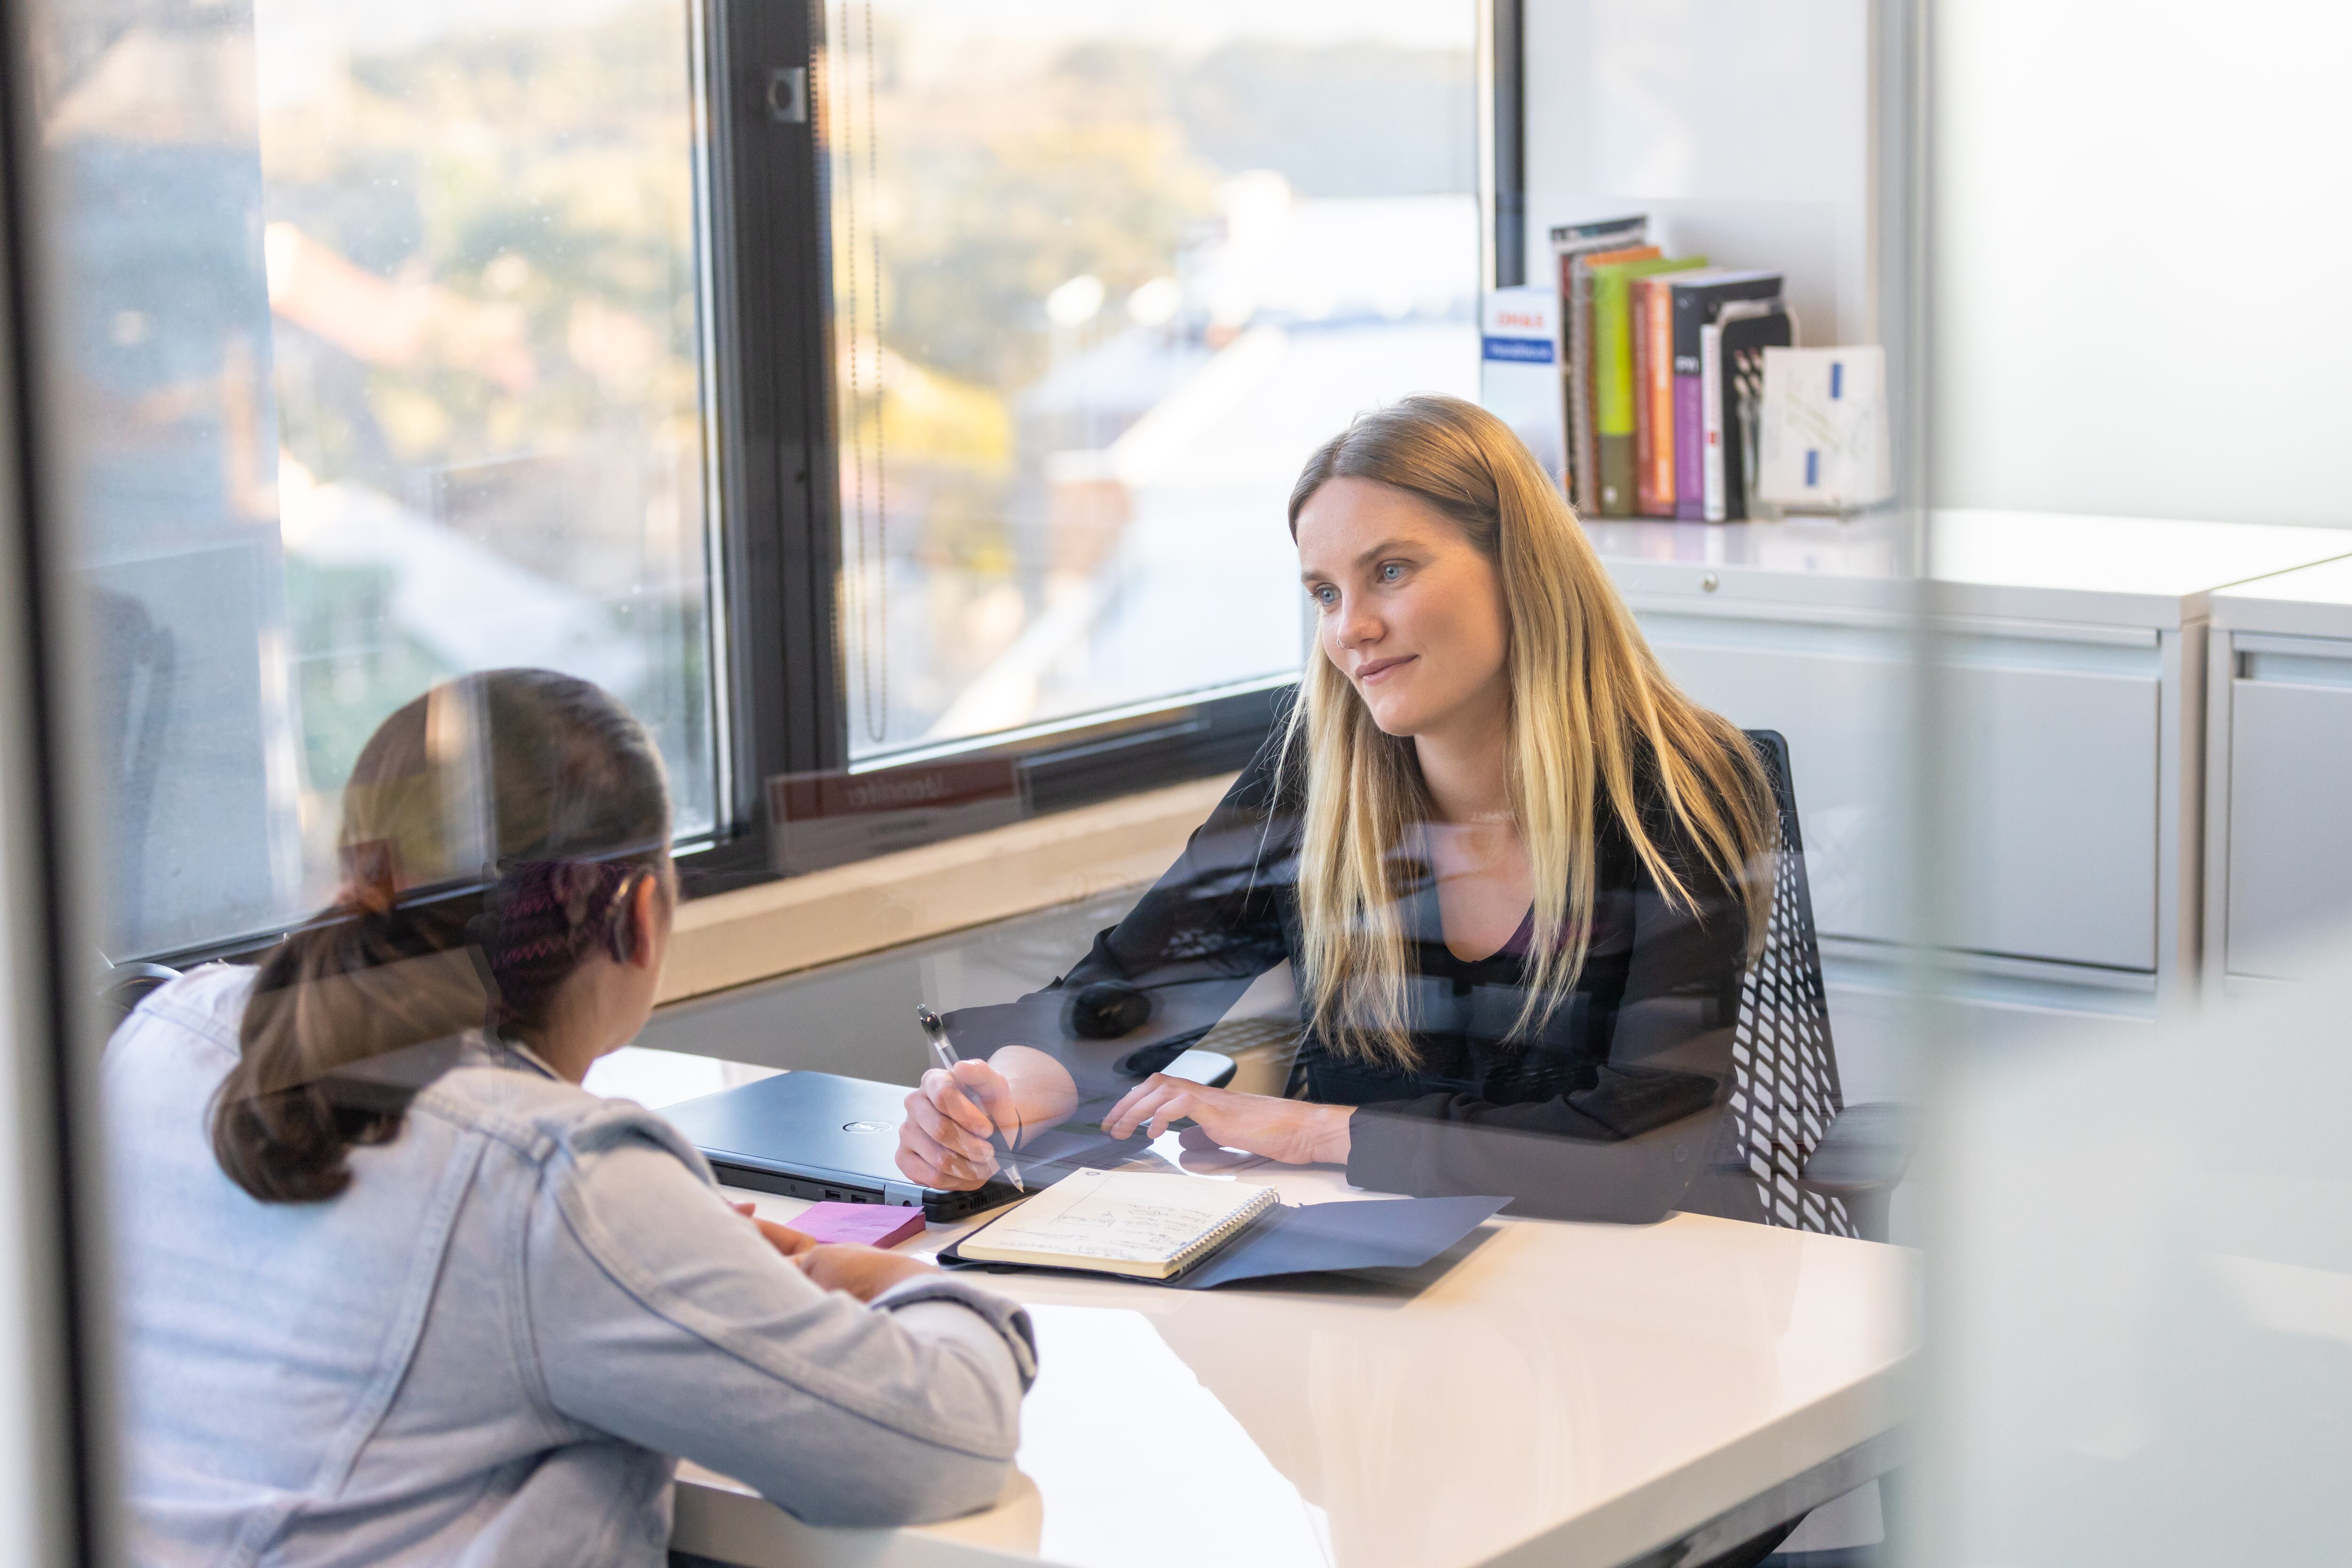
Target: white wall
[2140,209]
[2141,214]
[1742,126]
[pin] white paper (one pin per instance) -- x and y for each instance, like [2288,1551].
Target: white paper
[1127,1216]
[1823,430]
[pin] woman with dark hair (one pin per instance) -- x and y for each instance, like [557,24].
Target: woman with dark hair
[396,1289]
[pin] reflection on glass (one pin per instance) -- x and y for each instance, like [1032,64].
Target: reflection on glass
[2150,1258]
[1100,284]
[386,361]
[392,1285]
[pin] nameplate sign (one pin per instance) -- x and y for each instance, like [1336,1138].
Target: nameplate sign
[823,820]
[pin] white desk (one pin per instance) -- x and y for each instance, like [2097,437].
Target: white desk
[1580,1395]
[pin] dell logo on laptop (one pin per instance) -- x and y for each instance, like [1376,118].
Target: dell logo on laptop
[865,1126]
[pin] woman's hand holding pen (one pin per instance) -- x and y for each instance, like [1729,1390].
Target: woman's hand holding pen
[944,1141]
[1291,1130]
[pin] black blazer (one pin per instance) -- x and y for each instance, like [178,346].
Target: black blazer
[1614,1108]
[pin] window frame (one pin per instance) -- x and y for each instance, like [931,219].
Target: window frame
[780,537]
[1503,140]
[782,529]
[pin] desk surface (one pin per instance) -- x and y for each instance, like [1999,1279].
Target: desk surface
[1576,1394]
[2315,601]
[2035,564]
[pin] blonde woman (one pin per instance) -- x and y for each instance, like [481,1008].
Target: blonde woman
[1514,869]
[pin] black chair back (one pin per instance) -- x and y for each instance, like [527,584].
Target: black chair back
[1785,1068]
[124,985]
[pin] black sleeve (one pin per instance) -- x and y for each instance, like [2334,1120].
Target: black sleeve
[1155,983]
[1629,1143]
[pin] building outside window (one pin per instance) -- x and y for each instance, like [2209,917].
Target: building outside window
[393,354]
[396,336]
[1103,277]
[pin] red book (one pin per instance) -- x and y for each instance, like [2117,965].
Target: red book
[1653,395]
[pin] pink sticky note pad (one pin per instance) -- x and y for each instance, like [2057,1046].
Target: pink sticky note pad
[874,1224]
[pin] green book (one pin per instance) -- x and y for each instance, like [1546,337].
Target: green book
[1612,372]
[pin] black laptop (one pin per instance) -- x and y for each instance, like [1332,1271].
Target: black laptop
[818,1136]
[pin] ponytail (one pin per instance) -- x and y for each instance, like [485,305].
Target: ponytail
[358,987]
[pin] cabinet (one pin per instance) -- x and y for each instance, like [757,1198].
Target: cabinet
[2278,820]
[2037,681]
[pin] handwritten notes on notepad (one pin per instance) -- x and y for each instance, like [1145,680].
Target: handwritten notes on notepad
[1134,1223]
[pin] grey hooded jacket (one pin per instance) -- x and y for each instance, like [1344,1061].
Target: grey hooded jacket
[489,1347]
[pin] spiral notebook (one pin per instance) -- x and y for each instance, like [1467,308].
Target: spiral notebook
[1137,1223]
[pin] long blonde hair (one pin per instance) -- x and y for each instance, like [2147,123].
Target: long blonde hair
[1591,712]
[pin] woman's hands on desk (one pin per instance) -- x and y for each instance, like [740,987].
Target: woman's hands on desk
[864,1271]
[782,1237]
[944,1142]
[1294,1131]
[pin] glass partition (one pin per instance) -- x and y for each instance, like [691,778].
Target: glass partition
[1838,1070]
[388,365]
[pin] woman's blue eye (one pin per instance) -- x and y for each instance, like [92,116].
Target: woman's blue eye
[1325,595]
[1392,570]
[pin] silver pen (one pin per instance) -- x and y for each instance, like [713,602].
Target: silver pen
[935,1031]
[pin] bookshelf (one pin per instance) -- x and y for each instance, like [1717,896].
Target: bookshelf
[1783,135]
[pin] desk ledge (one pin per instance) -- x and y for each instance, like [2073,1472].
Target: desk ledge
[847,911]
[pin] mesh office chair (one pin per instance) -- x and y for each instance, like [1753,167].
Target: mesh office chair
[1820,1165]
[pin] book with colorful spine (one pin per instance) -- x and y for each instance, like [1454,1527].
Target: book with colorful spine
[1574,247]
[1697,300]
[1612,372]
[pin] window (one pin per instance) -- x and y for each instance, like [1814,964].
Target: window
[941,392]
[391,344]
[1102,277]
